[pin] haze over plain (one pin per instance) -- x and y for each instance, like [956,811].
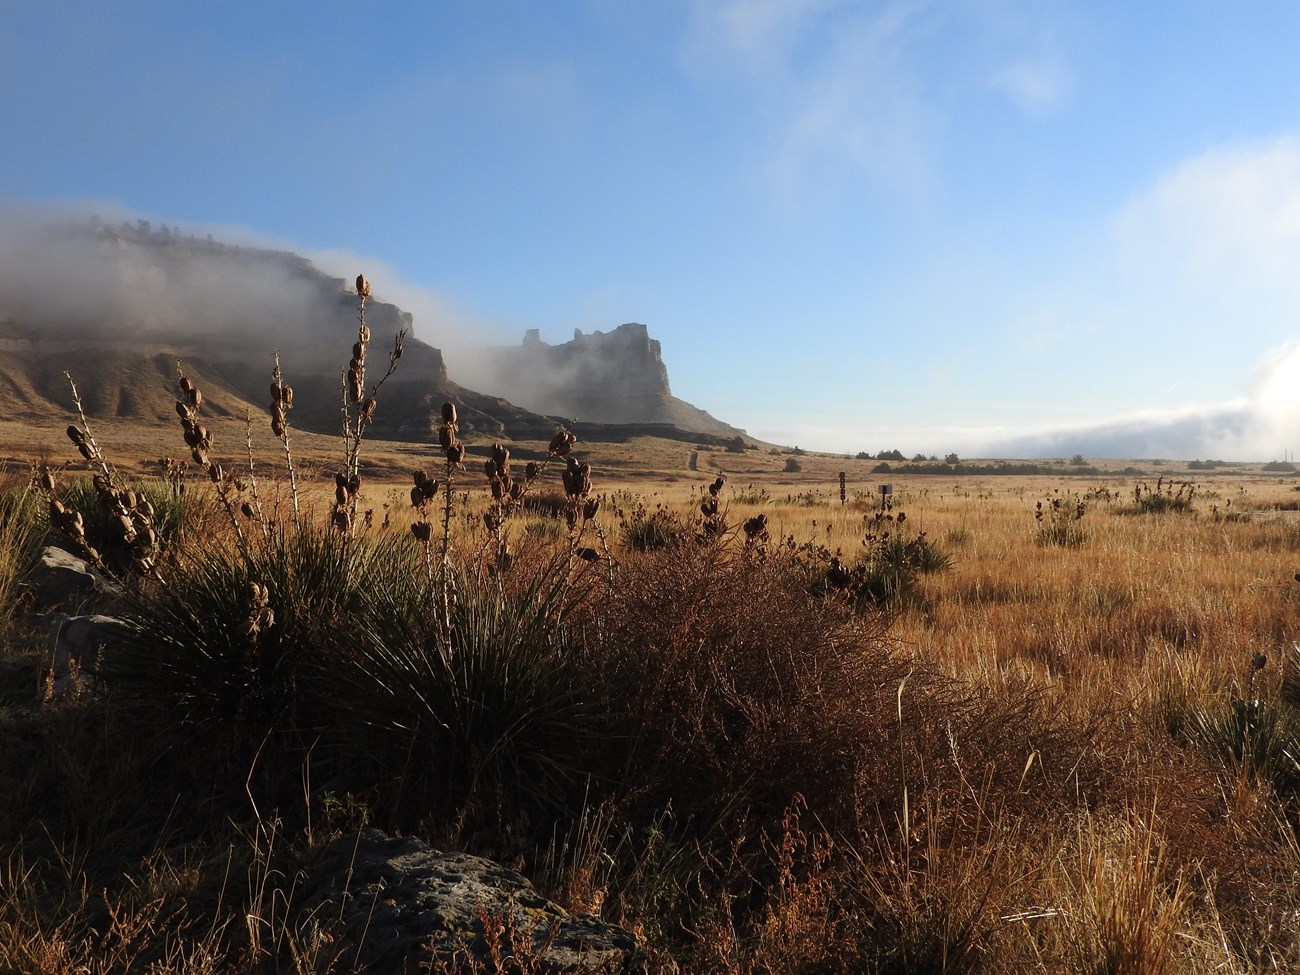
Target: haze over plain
[1000,228]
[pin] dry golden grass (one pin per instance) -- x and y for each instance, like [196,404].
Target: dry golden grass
[1090,835]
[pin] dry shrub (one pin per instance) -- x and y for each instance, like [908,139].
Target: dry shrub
[739,686]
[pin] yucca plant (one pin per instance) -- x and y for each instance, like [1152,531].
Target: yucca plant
[236,650]
[500,710]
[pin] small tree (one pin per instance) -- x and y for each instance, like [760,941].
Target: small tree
[792,465]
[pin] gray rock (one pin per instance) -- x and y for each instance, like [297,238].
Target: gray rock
[60,578]
[75,643]
[401,903]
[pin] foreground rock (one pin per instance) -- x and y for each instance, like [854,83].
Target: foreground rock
[75,645]
[403,904]
[60,578]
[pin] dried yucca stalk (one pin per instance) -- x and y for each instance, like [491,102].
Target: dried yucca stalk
[358,410]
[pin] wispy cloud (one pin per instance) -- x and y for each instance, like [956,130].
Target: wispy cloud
[846,89]
[1038,85]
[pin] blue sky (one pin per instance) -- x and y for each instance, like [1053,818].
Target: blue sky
[985,226]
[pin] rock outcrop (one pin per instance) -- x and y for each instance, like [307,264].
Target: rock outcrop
[401,904]
[615,377]
[137,299]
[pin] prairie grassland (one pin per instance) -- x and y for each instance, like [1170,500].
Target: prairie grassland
[1048,757]
[996,724]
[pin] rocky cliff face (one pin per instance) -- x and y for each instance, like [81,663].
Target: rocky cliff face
[118,304]
[615,377]
[607,377]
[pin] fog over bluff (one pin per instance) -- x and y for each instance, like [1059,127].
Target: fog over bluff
[142,295]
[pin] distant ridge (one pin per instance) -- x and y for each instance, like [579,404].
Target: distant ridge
[140,298]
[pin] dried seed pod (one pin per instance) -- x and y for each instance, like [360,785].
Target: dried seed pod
[589,508]
[356,391]
[200,456]
[363,286]
[75,435]
[126,526]
[247,509]
[354,484]
[562,442]
[363,333]
[185,384]
[358,351]
[286,396]
[501,454]
[716,486]
[587,554]
[182,410]
[498,489]
[146,537]
[531,471]
[265,618]
[47,480]
[276,394]
[419,477]
[456,452]
[196,397]
[368,408]
[490,468]
[571,517]
[445,437]
[421,530]
[449,412]
[429,489]
[84,449]
[57,510]
[277,427]
[491,520]
[343,520]
[146,507]
[215,473]
[516,490]
[417,497]
[339,480]
[341,494]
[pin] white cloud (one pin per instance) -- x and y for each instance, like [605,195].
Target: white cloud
[1228,219]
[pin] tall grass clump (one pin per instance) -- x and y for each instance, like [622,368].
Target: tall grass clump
[1254,734]
[1165,496]
[21,534]
[1060,521]
[889,570]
